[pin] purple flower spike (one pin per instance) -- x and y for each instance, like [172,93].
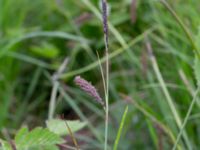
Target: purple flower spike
[88,88]
[105,19]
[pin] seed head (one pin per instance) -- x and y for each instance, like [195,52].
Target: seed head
[88,88]
[105,19]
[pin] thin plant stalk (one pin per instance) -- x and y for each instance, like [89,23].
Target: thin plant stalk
[166,93]
[102,74]
[107,97]
[151,117]
[105,28]
[52,102]
[72,136]
[187,117]
[54,92]
[120,128]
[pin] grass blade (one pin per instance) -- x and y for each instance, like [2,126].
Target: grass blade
[170,102]
[187,117]
[120,128]
[183,26]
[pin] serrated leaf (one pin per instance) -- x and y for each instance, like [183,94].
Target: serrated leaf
[59,126]
[51,147]
[21,134]
[35,139]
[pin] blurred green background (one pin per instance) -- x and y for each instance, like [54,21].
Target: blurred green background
[37,36]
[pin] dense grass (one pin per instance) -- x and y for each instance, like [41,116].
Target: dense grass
[36,36]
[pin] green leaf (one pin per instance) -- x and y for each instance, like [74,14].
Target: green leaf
[21,134]
[51,147]
[59,126]
[120,128]
[5,145]
[45,50]
[35,139]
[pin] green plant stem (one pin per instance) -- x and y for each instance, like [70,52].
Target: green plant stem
[107,86]
[107,97]
[151,117]
[166,93]
[53,99]
[72,136]
[120,128]
[187,117]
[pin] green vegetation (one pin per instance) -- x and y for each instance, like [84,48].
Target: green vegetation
[154,69]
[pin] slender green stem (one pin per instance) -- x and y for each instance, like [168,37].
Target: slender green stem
[102,74]
[151,117]
[166,93]
[72,136]
[120,128]
[105,29]
[187,117]
[52,103]
[107,98]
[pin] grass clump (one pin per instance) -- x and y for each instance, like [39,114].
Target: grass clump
[152,66]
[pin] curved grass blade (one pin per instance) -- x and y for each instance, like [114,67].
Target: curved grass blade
[120,128]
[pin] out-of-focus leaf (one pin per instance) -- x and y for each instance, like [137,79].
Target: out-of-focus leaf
[5,145]
[45,50]
[59,126]
[36,139]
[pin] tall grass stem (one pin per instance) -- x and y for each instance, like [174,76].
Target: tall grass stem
[120,128]
[166,93]
[187,117]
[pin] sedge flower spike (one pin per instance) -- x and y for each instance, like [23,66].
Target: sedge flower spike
[105,19]
[88,88]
